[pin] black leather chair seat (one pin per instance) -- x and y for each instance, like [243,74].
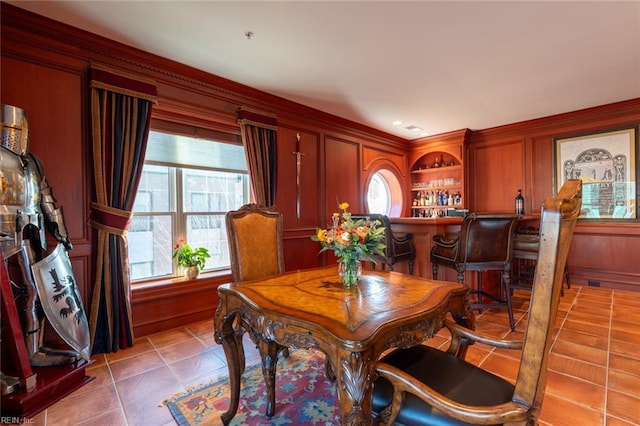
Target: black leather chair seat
[451,376]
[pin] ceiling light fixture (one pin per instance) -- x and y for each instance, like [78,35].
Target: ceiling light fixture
[396,122]
[414,129]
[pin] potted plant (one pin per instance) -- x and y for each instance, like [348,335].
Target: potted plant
[191,260]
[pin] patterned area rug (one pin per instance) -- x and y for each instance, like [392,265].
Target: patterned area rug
[304,396]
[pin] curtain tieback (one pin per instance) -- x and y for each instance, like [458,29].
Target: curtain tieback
[110,219]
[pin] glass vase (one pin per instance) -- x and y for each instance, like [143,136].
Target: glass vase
[350,270]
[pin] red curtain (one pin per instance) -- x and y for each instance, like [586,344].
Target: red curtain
[121,113]
[258,131]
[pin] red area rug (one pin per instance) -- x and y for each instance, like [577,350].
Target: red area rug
[304,396]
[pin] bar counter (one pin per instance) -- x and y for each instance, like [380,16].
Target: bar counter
[423,230]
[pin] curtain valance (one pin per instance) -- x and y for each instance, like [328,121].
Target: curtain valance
[117,81]
[257,118]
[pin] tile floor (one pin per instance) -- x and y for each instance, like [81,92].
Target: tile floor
[594,376]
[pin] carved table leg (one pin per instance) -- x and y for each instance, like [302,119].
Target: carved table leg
[269,353]
[355,388]
[226,335]
[463,315]
[329,370]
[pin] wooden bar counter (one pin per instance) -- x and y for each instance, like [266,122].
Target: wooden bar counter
[423,230]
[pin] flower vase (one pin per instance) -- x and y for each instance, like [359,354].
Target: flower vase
[191,272]
[350,270]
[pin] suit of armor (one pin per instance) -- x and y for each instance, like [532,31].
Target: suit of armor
[26,208]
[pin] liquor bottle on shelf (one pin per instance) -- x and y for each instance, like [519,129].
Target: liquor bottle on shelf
[458,199]
[519,202]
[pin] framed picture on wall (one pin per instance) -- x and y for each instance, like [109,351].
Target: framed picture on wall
[606,162]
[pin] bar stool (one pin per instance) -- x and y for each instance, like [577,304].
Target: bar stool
[398,247]
[484,243]
[526,244]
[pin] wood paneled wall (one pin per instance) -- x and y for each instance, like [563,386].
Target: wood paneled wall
[504,159]
[44,70]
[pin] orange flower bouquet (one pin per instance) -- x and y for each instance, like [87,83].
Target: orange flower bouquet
[351,241]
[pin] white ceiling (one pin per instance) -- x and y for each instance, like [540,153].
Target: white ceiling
[439,65]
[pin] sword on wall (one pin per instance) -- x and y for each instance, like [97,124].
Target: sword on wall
[298,155]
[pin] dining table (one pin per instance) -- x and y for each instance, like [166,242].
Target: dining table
[351,326]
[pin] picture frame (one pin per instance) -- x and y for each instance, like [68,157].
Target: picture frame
[607,164]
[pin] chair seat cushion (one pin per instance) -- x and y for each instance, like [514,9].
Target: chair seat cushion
[403,250]
[526,242]
[444,256]
[451,376]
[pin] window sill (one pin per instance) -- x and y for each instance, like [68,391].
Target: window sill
[224,274]
[160,305]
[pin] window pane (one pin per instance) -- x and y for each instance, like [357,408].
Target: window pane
[150,243]
[379,195]
[209,231]
[212,191]
[154,190]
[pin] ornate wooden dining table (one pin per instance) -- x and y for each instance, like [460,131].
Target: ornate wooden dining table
[352,326]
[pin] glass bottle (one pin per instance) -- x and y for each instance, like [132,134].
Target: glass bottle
[519,202]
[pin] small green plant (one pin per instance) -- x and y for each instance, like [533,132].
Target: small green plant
[188,256]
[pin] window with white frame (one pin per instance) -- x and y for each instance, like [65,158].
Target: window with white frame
[384,193]
[187,186]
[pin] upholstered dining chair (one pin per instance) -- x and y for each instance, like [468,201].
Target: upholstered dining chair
[255,240]
[422,385]
[255,237]
[483,244]
[399,247]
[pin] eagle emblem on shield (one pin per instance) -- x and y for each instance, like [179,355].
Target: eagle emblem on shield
[61,300]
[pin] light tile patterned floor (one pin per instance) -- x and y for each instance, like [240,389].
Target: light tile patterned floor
[594,376]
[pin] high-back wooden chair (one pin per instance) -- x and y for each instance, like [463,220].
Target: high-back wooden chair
[255,237]
[483,244]
[423,385]
[398,247]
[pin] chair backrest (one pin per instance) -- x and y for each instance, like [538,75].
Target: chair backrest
[255,237]
[485,240]
[559,215]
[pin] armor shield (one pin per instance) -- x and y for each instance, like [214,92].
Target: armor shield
[61,300]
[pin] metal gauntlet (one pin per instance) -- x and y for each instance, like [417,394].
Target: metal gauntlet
[53,216]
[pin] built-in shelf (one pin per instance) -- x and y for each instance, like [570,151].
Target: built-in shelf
[433,170]
[437,177]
